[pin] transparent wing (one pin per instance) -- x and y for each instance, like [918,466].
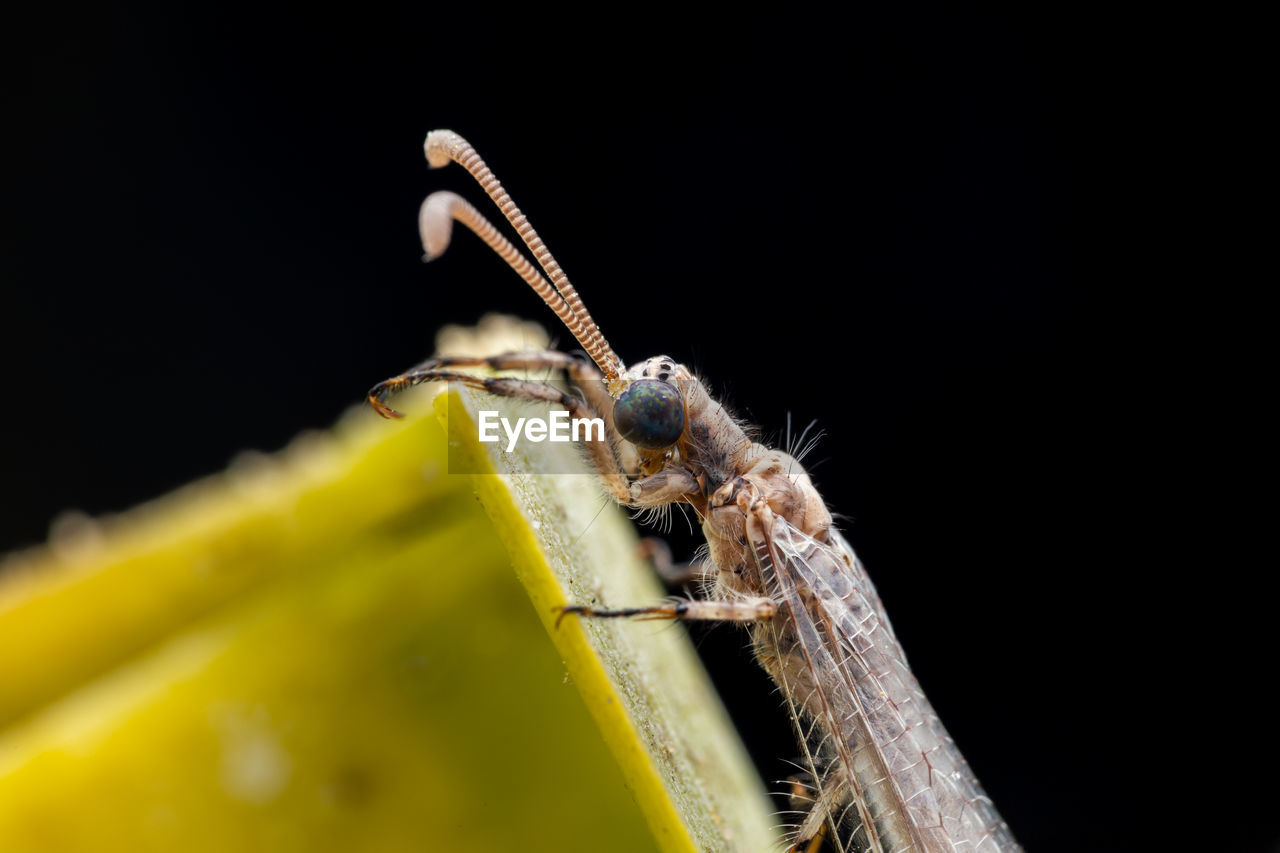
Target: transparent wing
[884,762]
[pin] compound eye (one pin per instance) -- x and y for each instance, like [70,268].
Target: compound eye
[650,414]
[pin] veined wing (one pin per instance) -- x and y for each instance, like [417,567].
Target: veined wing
[893,770]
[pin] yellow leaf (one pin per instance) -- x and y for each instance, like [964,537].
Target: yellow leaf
[326,649]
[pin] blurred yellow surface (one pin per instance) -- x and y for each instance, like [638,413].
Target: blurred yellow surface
[327,649]
[324,650]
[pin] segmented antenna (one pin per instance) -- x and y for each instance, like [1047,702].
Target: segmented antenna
[435,223]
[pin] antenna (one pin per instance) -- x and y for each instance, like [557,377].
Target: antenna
[435,221]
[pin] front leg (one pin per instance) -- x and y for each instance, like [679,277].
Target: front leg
[430,370]
[437,370]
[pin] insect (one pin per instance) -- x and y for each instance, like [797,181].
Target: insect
[884,775]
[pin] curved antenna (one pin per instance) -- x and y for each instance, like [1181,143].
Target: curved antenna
[435,222]
[443,146]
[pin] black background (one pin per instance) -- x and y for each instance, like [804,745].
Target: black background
[879,223]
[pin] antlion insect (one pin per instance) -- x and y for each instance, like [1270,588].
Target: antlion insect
[886,776]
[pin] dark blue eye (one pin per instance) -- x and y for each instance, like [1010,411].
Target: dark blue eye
[650,414]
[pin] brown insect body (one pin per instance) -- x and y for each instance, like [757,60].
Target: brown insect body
[770,536]
[886,776]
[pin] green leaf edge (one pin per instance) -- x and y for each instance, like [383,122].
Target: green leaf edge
[642,681]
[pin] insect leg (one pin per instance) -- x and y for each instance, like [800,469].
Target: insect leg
[745,610]
[811,845]
[601,453]
[426,372]
[658,553]
[803,796]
